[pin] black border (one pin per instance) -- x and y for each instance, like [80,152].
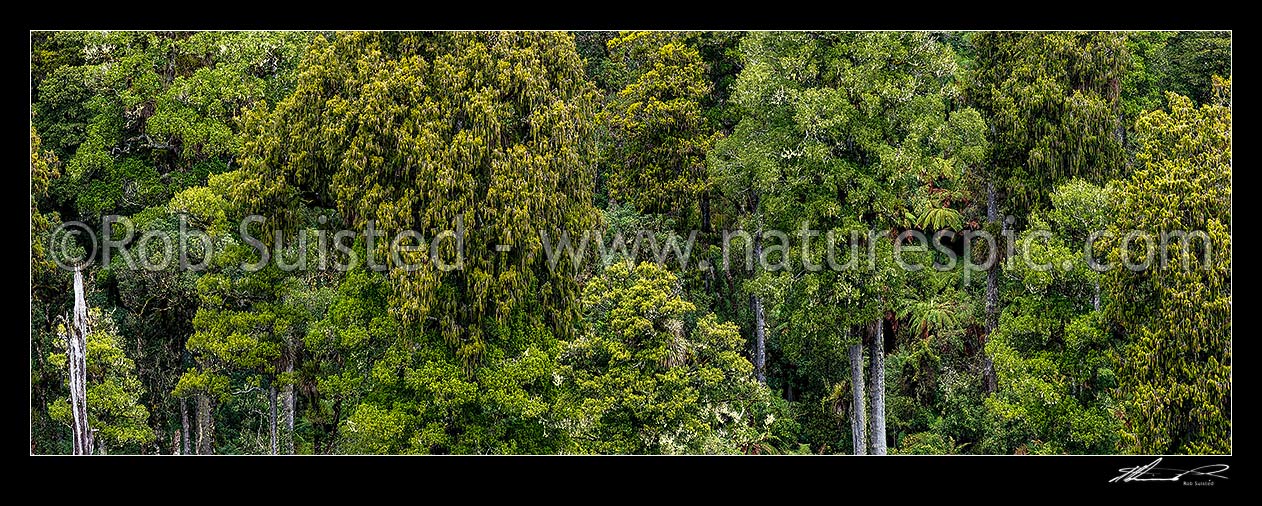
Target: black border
[990,480]
[639,16]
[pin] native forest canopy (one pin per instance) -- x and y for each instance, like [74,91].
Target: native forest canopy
[630,243]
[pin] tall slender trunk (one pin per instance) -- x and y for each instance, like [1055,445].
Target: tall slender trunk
[760,321]
[184,427]
[990,382]
[77,349]
[877,351]
[760,339]
[857,411]
[755,303]
[1095,298]
[271,422]
[205,426]
[289,408]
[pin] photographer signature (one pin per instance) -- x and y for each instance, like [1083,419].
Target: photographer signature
[1151,472]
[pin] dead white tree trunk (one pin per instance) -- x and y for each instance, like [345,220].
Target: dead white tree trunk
[271,421]
[77,352]
[877,349]
[184,428]
[205,426]
[289,407]
[857,410]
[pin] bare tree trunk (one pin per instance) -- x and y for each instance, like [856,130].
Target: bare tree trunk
[992,292]
[205,426]
[184,427]
[1095,299]
[289,408]
[760,339]
[77,349]
[857,411]
[877,350]
[760,322]
[271,422]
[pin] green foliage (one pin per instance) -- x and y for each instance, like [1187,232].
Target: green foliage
[1175,373]
[1143,88]
[138,114]
[938,308]
[1058,392]
[933,371]
[844,134]
[208,208]
[49,299]
[926,443]
[383,387]
[492,130]
[646,380]
[43,171]
[1052,351]
[154,305]
[721,53]
[658,134]
[1180,62]
[939,218]
[115,414]
[592,46]
[516,138]
[1194,59]
[51,51]
[1053,101]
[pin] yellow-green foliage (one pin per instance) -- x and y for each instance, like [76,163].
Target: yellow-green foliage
[658,136]
[1176,372]
[43,171]
[646,379]
[420,132]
